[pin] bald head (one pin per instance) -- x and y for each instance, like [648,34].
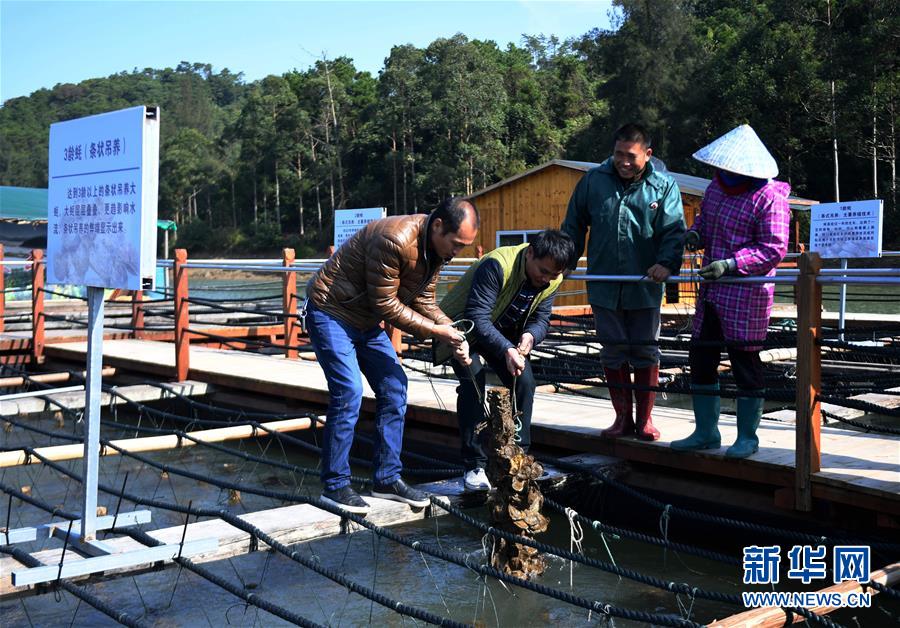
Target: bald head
[454,225]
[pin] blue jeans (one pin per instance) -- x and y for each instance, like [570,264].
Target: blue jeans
[345,353]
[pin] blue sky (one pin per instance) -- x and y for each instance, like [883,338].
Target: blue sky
[45,43]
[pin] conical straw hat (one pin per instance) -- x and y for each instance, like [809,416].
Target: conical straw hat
[740,151]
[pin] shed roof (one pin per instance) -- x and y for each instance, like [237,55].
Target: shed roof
[23,203]
[30,205]
[689,184]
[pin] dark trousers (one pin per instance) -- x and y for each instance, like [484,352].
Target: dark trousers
[638,326]
[746,365]
[470,412]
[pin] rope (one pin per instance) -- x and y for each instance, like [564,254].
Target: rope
[460,559]
[868,427]
[92,600]
[723,521]
[591,562]
[254,531]
[576,536]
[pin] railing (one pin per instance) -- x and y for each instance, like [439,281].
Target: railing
[807,279]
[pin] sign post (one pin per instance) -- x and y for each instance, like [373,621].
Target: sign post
[101,233]
[843,231]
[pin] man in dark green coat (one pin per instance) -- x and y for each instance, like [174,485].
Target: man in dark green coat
[636,222]
[508,296]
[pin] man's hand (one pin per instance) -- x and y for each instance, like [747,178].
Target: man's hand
[448,335]
[658,273]
[692,241]
[526,343]
[462,354]
[716,269]
[515,362]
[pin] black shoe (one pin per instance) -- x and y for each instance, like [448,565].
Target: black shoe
[400,491]
[348,499]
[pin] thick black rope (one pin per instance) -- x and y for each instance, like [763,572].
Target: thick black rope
[645,538]
[459,559]
[237,591]
[437,552]
[868,427]
[437,472]
[253,531]
[859,404]
[80,592]
[723,521]
[584,560]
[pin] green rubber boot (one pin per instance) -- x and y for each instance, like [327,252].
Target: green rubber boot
[749,413]
[706,416]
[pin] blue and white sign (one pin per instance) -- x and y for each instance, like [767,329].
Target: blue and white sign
[102,200]
[846,230]
[349,221]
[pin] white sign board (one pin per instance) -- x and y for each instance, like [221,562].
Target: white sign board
[102,200]
[846,230]
[349,221]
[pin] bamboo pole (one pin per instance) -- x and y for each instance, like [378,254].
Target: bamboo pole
[48,378]
[809,380]
[775,617]
[155,443]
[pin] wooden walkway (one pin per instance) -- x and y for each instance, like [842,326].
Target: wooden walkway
[857,469]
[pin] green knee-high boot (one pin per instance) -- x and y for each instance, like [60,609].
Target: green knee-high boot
[706,416]
[749,413]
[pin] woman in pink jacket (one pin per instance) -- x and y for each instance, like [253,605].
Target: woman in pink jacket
[743,227]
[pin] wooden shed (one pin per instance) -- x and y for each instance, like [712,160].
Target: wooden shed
[537,199]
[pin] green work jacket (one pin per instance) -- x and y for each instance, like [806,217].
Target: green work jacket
[632,227]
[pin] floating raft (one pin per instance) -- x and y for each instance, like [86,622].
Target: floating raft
[858,469]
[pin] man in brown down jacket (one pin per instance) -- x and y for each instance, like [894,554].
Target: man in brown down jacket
[386,272]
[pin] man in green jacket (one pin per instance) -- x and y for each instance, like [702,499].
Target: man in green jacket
[508,296]
[636,222]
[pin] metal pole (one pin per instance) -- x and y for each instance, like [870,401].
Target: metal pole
[166,243]
[92,414]
[843,307]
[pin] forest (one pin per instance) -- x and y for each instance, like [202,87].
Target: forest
[251,167]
